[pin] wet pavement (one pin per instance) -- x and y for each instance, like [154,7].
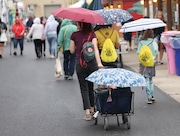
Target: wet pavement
[34,103]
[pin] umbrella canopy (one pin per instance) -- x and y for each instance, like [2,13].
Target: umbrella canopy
[114,15]
[79,14]
[78,4]
[117,77]
[95,5]
[137,7]
[142,24]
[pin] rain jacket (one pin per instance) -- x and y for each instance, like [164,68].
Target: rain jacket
[36,30]
[67,28]
[18,28]
[51,26]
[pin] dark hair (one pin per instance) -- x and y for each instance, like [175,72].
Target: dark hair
[147,34]
[85,27]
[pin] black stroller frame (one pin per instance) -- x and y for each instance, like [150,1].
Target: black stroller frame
[122,104]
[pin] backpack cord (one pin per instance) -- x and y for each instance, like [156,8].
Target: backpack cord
[150,46]
[105,36]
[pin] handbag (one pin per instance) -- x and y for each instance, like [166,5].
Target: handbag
[3,37]
[58,67]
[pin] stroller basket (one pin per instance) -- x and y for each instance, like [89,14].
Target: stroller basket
[121,101]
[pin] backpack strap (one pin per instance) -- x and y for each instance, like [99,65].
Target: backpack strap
[88,39]
[104,35]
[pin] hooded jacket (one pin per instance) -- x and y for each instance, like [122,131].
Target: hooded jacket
[18,28]
[36,30]
[51,26]
[66,30]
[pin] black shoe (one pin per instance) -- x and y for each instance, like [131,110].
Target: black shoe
[66,77]
[15,53]
[21,53]
[44,54]
[0,56]
[39,55]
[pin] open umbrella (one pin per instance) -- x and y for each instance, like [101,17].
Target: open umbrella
[142,24]
[79,14]
[95,5]
[136,7]
[114,15]
[117,77]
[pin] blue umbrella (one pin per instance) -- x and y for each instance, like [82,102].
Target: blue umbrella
[117,77]
[95,5]
[114,15]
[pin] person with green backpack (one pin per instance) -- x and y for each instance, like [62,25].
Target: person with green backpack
[146,58]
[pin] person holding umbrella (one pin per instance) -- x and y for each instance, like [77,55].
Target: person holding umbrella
[86,87]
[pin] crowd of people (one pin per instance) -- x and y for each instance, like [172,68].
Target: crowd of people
[68,37]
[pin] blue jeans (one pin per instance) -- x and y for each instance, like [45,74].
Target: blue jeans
[69,63]
[52,40]
[87,90]
[149,88]
[20,41]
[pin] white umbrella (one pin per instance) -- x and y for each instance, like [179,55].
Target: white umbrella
[78,4]
[142,24]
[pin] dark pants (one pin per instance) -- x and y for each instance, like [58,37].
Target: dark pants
[69,63]
[44,45]
[38,47]
[20,41]
[87,90]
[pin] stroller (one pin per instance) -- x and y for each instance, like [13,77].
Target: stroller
[118,102]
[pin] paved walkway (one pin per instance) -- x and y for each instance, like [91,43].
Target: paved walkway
[169,83]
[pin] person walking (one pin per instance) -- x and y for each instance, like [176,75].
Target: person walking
[67,28]
[106,31]
[18,29]
[37,32]
[128,36]
[43,21]
[86,87]
[157,37]
[148,72]
[28,25]
[50,32]
[3,39]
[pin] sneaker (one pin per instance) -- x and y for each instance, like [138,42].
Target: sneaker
[160,62]
[52,57]
[15,53]
[153,99]
[87,117]
[156,62]
[39,55]
[70,78]
[66,77]
[149,101]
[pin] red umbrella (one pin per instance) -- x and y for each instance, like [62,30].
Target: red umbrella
[79,14]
